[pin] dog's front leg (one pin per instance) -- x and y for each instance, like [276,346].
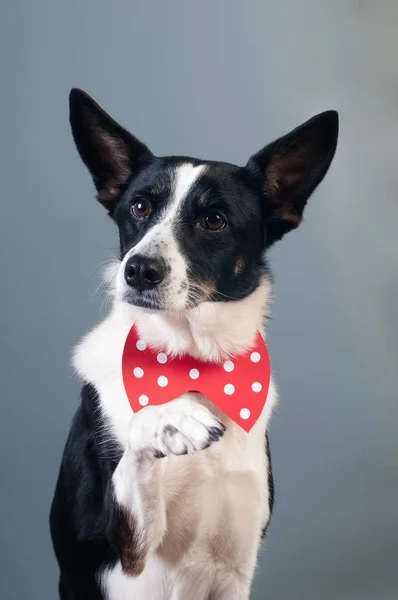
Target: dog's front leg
[136,500]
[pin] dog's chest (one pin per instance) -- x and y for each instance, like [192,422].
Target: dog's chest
[217,499]
[214,522]
[211,508]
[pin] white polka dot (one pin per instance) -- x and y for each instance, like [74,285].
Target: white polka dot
[162,358]
[141,345]
[162,381]
[229,366]
[138,372]
[257,387]
[194,373]
[229,389]
[255,356]
[244,413]
[143,400]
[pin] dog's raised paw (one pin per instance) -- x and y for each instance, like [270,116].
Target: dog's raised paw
[179,427]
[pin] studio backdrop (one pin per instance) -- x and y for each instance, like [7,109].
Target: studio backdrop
[214,79]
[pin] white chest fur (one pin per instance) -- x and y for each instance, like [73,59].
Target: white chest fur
[217,499]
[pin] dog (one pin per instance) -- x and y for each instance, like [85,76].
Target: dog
[172,502]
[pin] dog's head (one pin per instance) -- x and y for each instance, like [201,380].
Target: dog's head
[194,231]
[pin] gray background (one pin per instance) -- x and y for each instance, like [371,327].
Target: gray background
[215,79]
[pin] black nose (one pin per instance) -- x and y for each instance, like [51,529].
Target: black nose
[143,273]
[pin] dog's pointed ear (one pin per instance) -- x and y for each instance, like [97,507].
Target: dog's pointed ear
[110,152]
[290,168]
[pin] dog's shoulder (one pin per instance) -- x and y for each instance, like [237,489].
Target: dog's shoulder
[98,361]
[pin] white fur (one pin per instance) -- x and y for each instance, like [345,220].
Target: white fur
[199,516]
[222,490]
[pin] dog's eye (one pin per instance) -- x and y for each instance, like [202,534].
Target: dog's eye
[141,208]
[212,221]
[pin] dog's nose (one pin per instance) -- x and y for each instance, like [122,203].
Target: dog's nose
[143,273]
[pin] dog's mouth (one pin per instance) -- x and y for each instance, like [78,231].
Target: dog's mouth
[169,297]
[155,302]
[146,301]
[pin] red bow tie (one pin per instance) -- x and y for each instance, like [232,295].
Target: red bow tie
[238,386]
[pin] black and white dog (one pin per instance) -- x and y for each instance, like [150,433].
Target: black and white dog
[148,506]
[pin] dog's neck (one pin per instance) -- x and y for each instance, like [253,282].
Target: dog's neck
[212,331]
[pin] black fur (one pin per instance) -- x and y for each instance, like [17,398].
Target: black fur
[80,512]
[271,486]
[259,203]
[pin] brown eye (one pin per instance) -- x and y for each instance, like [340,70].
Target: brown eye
[141,208]
[212,221]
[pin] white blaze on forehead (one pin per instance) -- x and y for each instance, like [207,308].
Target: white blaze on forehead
[184,178]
